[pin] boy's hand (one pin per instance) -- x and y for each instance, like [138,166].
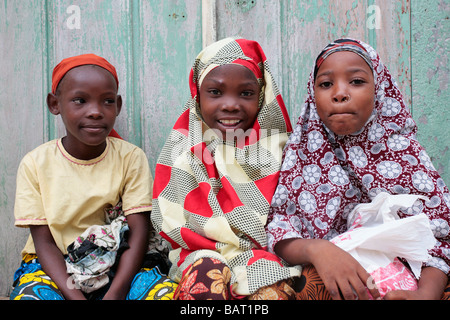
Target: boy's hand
[52,261]
[131,260]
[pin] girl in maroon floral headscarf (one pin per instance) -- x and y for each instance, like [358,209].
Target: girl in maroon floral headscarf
[354,139]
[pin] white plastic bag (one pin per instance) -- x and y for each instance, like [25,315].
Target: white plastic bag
[376,236]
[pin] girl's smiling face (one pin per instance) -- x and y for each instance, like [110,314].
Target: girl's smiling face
[229,98]
[344,92]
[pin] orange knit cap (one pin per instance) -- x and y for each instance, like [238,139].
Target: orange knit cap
[69,63]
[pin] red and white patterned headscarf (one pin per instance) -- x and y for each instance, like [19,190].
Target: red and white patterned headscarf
[323,175]
[211,197]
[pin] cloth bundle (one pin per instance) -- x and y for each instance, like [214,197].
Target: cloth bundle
[93,255]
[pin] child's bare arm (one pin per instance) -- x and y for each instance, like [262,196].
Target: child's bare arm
[52,261]
[432,283]
[131,260]
[341,274]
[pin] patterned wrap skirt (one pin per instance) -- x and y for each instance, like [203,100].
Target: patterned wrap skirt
[209,278]
[31,283]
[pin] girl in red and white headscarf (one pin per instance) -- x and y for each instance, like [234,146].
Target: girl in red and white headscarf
[216,176]
[354,139]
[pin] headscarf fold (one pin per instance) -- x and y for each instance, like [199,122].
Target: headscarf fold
[211,197]
[342,45]
[85,59]
[323,175]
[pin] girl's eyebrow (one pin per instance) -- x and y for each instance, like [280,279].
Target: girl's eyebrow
[324,73]
[220,82]
[212,80]
[356,69]
[350,70]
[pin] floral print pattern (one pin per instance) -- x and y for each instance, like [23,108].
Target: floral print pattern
[209,279]
[389,169]
[312,174]
[338,176]
[307,201]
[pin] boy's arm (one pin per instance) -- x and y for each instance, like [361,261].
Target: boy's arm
[131,260]
[52,261]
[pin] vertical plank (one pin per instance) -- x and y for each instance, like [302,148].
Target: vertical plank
[393,42]
[104,29]
[171,38]
[209,32]
[257,20]
[430,79]
[22,64]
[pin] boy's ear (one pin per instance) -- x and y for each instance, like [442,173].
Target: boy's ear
[53,103]
[119,104]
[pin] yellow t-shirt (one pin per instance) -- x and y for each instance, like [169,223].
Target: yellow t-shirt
[69,195]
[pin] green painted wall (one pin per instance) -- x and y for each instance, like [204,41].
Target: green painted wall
[153,43]
[430,49]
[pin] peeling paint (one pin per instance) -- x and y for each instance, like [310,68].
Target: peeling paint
[430,79]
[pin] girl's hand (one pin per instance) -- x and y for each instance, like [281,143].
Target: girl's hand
[341,274]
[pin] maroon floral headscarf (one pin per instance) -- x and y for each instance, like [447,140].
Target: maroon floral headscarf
[323,175]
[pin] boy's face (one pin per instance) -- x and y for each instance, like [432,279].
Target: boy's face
[229,97]
[344,92]
[88,103]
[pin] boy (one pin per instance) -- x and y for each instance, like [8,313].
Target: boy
[64,186]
